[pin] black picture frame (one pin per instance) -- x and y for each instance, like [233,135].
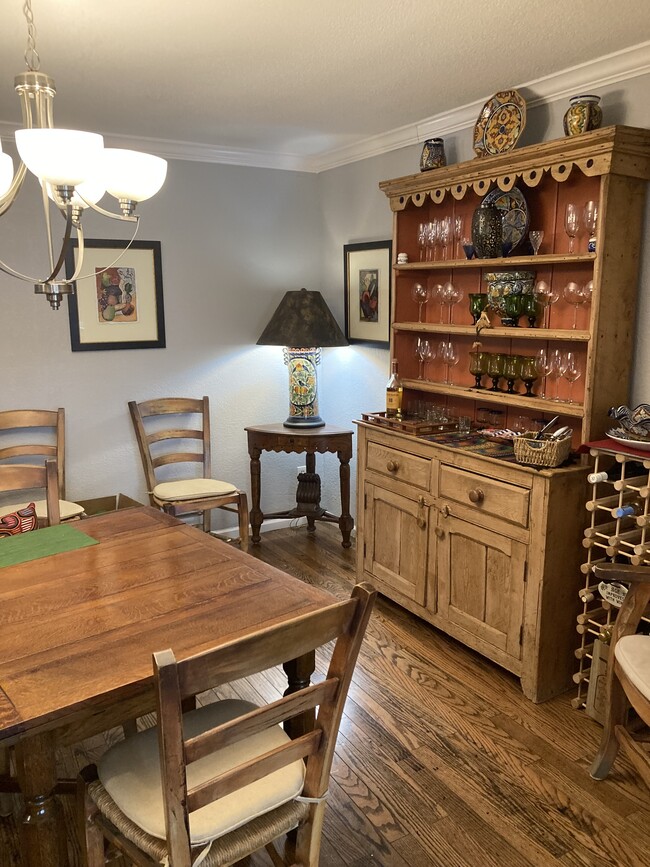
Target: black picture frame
[91,329]
[367,281]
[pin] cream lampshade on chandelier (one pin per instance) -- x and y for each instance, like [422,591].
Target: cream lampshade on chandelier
[74,170]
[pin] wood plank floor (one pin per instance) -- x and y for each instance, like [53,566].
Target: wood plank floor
[441,762]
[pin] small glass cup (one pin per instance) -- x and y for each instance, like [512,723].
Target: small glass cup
[464,424]
[512,372]
[468,247]
[478,366]
[496,362]
[513,306]
[530,309]
[536,236]
[477,304]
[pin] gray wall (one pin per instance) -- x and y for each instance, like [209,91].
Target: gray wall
[233,241]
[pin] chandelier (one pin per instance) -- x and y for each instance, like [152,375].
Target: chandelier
[74,170]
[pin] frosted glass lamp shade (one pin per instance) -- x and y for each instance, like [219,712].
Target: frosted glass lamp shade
[6,172]
[60,156]
[133,175]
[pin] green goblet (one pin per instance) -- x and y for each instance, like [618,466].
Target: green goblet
[529,373]
[478,366]
[512,372]
[513,306]
[496,362]
[530,309]
[477,304]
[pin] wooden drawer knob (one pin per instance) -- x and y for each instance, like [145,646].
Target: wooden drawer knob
[476,495]
[392,466]
[440,533]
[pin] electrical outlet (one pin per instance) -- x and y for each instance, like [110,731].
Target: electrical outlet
[302,469]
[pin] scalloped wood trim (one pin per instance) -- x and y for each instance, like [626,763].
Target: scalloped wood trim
[625,150]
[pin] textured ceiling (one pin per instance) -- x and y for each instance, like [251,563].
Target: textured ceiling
[296,76]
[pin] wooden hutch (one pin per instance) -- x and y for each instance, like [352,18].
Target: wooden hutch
[483,548]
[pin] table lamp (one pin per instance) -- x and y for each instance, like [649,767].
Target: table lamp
[302,324]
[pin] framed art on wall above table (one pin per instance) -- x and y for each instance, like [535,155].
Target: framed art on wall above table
[119,299]
[367,270]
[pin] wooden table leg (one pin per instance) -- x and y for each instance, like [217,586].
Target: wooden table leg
[299,672]
[310,463]
[346,521]
[256,515]
[42,829]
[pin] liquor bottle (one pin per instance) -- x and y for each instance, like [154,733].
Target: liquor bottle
[394,394]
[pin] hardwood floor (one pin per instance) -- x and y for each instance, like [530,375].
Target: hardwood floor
[441,762]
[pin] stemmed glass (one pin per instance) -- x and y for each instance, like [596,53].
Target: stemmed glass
[576,295]
[450,295]
[496,362]
[449,356]
[433,238]
[571,371]
[423,239]
[423,353]
[529,374]
[571,223]
[558,366]
[445,234]
[512,372]
[544,367]
[459,227]
[478,366]
[536,236]
[590,215]
[420,294]
[545,296]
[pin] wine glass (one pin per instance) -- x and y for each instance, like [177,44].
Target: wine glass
[536,236]
[468,247]
[544,366]
[448,353]
[445,235]
[423,353]
[571,223]
[459,227]
[590,216]
[433,238]
[558,366]
[576,295]
[420,294]
[422,239]
[545,296]
[477,304]
[450,295]
[529,374]
[571,371]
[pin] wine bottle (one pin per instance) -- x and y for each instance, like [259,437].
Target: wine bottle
[394,392]
[594,478]
[631,509]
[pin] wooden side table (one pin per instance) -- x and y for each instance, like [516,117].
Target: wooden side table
[277,438]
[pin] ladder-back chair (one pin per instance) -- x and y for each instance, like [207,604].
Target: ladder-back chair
[161,445]
[232,780]
[17,440]
[628,673]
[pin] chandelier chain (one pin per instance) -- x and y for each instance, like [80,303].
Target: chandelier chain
[32,58]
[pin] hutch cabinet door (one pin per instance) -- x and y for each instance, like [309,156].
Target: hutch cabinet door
[481,584]
[396,541]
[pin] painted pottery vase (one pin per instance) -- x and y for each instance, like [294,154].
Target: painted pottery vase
[504,284]
[584,113]
[433,155]
[487,231]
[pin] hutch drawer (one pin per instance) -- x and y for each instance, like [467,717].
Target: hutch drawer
[402,466]
[485,495]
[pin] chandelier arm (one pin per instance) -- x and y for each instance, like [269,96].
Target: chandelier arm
[12,193]
[114,262]
[64,247]
[13,273]
[132,218]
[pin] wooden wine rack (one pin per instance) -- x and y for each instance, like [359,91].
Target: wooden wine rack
[606,538]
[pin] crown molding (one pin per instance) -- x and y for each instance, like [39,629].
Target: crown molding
[601,72]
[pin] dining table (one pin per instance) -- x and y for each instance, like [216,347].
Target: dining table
[80,620]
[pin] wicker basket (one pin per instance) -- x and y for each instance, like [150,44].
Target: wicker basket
[541,453]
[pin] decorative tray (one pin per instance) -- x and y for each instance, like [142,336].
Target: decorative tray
[412,425]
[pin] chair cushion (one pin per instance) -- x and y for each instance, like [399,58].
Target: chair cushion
[20,520]
[192,489]
[67,510]
[633,655]
[130,773]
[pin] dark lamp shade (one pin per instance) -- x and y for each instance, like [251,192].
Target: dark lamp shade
[302,319]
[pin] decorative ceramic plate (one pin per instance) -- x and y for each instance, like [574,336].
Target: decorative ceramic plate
[514,214]
[500,123]
[642,445]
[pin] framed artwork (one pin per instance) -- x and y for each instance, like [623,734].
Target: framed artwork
[119,298]
[367,272]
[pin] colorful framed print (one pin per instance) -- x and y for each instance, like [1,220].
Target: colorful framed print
[367,272]
[119,299]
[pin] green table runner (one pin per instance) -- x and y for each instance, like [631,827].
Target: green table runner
[42,543]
